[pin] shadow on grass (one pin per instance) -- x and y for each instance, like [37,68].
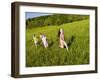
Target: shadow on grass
[51,43]
[70,40]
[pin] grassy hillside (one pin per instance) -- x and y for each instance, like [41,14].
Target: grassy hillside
[76,36]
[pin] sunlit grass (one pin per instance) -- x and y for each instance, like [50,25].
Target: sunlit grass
[78,52]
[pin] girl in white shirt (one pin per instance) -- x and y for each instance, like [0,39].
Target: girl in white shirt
[44,40]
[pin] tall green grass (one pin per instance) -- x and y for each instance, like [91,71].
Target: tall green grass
[76,36]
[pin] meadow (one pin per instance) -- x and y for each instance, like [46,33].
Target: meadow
[76,36]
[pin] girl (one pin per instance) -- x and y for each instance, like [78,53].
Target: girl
[61,39]
[44,40]
[35,40]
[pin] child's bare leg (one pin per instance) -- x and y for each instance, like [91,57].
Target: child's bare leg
[65,45]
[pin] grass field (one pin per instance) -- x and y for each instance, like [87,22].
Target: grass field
[76,36]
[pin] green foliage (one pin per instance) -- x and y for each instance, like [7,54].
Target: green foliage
[76,36]
[54,19]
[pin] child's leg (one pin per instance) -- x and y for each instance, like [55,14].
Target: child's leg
[65,45]
[36,43]
[46,44]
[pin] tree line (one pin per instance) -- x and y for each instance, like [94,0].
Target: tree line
[54,19]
